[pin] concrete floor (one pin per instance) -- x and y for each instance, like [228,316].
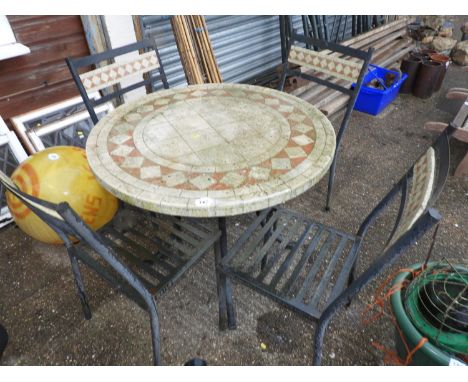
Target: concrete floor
[42,314]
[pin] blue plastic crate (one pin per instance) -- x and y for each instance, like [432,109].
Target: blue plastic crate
[373,101]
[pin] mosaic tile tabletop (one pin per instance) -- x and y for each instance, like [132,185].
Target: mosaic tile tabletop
[211,150]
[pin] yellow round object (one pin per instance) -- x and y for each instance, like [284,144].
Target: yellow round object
[60,174]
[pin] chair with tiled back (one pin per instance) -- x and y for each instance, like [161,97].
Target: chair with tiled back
[336,67]
[135,252]
[310,267]
[105,77]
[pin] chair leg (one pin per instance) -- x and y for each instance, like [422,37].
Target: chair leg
[227,315]
[3,340]
[155,336]
[267,236]
[80,286]
[331,180]
[318,341]
[283,77]
[324,320]
[351,278]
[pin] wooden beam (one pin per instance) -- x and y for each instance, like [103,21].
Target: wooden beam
[96,34]
[460,134]
[457,93]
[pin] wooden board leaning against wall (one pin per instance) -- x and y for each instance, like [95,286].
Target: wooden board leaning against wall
[41,77]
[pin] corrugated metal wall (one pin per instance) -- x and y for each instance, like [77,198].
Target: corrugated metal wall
[244,46]
[41,77]
[160,28]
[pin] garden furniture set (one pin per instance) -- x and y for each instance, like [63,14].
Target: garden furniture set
[185,160]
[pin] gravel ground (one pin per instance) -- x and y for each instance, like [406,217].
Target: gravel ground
[42,314]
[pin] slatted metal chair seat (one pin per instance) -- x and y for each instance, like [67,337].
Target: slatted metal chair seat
[308,263]
[158,249]
[311,268]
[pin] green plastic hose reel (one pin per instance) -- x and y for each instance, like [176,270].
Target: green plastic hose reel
[434,305]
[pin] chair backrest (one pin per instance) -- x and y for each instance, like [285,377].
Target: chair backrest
[46,211]
[105,77]
[332,62]
[418,189]
[340,68]
[69,226]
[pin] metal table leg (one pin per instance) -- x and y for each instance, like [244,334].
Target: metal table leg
[227,314]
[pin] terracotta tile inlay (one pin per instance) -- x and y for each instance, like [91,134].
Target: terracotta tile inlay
[205,144]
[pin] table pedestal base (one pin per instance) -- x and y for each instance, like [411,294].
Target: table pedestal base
[227,314]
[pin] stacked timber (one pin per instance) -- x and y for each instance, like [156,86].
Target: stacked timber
[195,50]
[390,42]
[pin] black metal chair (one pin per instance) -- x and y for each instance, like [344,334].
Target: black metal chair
[105,77]
[137,252]
[311,268]
[327,68]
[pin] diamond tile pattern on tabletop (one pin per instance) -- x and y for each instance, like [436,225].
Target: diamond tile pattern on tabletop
[203,181]
[174,178]
[237,146]
[302,140]
[233,179]
[119,139]
[150,172]
[280,164]
[122,151]
[133,162]
[295,152]
[260,173]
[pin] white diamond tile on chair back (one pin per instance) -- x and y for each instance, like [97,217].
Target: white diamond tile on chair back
[334,66]
[112,74]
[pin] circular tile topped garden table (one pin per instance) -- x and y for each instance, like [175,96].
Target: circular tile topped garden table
[211,150]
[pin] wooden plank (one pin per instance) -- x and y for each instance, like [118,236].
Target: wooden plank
[457,93]
[462,169]
[40,78]
[37,98]
[396,56]
[377,33]
[45,53]
[95,33]
[460,134]
[214,68]
[14,20]
[193,22]
[47,29]
[186,50]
